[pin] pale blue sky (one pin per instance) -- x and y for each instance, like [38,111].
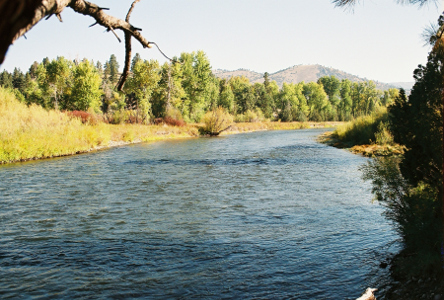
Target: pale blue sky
[380,40]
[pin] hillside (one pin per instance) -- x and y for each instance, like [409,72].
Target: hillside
[251,75]
[297,74]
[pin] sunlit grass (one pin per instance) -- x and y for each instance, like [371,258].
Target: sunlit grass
[33,132]
[367,135]
[362,130]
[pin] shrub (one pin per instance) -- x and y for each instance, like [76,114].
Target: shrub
[216,121]
[174,122]
[251,116]
[173,113]
[363,129]
[84,117]
[383,136]
[117,117]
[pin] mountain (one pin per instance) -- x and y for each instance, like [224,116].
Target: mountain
[405,85]
[300,73]
[251,75]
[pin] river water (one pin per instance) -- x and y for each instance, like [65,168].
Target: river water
[265,215]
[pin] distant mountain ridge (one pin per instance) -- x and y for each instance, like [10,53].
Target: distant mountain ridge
[306,73]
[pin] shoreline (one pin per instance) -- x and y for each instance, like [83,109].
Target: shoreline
[153,133]
[367,150]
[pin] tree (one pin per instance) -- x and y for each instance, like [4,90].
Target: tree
[135,59]
[86,93]
[112,69]
[58,75]
[226,96]
[197,80]
[345,106]
[243,96]
[317,100]
[167,97]
[288,103]
[6,79]
[332,87]
[18,79]
[33,70]
[139,87]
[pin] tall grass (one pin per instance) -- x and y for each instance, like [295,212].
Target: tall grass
[366,130]
[33,132]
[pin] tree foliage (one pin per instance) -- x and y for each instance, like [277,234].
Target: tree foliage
[186,89]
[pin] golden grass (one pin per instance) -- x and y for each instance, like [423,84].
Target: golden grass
[366,135]
[257,126]
[32,132]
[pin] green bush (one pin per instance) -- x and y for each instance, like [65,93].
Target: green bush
[216,121]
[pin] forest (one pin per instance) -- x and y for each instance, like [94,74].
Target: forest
[186,89]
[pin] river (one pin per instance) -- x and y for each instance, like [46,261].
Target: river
[264,215]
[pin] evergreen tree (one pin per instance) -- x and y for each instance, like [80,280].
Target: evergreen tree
[135,59]
[18,80]
[33,70]
[112,69]
[6,79]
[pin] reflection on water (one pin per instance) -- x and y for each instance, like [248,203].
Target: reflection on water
[261,215]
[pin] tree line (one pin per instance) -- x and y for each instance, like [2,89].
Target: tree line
[186,89]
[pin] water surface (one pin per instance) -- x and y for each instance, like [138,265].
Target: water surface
[266,215]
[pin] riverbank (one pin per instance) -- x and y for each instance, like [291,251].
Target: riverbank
[31,132]
[416,271]
[71,137]
[368,150]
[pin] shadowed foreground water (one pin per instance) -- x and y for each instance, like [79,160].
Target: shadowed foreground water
[267,215]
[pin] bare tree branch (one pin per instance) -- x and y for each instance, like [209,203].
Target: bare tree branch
[126,67]
[19,16]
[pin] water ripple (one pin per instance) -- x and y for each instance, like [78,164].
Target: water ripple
[269,215]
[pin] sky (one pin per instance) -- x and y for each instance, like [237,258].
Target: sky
[378,40]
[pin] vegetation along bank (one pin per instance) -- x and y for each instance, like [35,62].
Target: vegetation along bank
[62,107]
[407,176]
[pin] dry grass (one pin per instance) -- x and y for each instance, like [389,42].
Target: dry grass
[33,132]
[257,126]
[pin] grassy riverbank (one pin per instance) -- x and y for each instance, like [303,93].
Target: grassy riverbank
[31,132]
[367,135]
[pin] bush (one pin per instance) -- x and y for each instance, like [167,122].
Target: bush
[117,117]
[251,116]
[174,122]
[173,113]
[216,121]
[84,117]
[363,129]
[383,136]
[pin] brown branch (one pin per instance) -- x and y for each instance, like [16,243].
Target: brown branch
[107,21]
[126,67]
[115,34]
[19,16]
